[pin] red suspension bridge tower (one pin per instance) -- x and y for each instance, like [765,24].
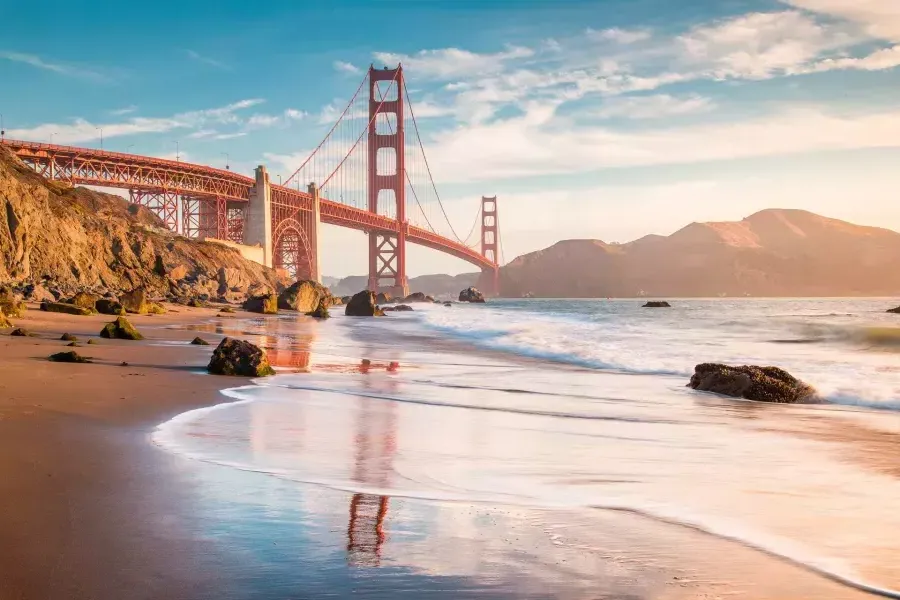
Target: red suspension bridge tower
[387,169]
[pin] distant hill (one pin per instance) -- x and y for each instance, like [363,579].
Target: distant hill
[434,285]
[771,253]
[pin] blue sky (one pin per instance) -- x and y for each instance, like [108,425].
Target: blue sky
[606,119]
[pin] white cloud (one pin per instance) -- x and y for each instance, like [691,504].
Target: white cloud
[886,58]
[652,107]
[230,136]
[452,63]
[193,55]
[759,45]
[259,121]
[82,130]
[620,36]
[203,133]
[295,115]
[538,144]
[263,120]
[880,18]
[40,63]
[346,67]
[123,111]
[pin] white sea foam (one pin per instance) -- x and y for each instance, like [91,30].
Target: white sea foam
[466,430]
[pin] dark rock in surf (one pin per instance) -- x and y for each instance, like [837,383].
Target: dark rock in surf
[471,294]
[657,304]
[764,384]
[240,358]
[894,310]
[362,305]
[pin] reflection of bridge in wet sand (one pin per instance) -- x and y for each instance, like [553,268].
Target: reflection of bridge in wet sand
[375,443]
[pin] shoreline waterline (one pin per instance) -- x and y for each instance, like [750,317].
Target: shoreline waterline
[431,390]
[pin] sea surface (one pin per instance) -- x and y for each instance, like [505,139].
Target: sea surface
[574,407]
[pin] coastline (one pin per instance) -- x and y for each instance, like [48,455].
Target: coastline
[90,508]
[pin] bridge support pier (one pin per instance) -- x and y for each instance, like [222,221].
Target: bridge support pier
[387,261]
[258,216]
[312,233]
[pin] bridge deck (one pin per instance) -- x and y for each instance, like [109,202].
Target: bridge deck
[86,166]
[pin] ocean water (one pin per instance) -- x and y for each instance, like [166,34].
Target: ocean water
[581,406]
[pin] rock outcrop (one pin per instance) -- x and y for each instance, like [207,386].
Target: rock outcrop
[266,304]
[120,329]
[107,306]
[68,357]
[304,296]
[894,310]
[362,305]
[417,297]
[199,341]
[64,307]
[383,298]
[135,301]
[56,240]
[11,304]
[84,300]
[241,358]
[321,311]
[471,294]
[765,384]
[657,304]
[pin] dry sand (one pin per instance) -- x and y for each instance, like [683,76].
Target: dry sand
[89,508]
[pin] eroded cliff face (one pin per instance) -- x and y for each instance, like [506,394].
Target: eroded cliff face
[68,239]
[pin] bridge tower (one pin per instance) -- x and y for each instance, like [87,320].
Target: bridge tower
[490,277]
[387,250]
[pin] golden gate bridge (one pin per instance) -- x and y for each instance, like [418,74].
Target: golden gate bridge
[369,173]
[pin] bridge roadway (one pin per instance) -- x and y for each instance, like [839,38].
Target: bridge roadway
[87,166]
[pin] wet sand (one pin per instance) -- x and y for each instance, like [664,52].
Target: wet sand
[90,508]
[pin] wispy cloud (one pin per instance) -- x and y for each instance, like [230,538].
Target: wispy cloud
[194,55]
[346,67]
[620,36]
[123,111]
[453,63]
[652,107]
[82,130]
[230,136]
[55,67]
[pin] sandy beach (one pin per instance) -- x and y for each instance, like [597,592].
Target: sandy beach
[91,508]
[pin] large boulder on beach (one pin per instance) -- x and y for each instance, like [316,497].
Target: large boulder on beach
[362,305]
[136,301]
[471,294]
[266,304]
[894,310]
[84,300]
[417,297]
[321,311]
[765,384]
[657,304]
[11,304]
[346,299]
[241,358]
[64,307]
[304,296]
[108,306]
[120,329]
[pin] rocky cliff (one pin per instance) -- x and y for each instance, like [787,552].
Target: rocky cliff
[771,253]
[62,239]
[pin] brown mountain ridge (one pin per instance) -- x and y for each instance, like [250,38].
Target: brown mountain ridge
[775,252]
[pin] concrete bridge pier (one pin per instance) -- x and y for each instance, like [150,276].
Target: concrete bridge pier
[258,216]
